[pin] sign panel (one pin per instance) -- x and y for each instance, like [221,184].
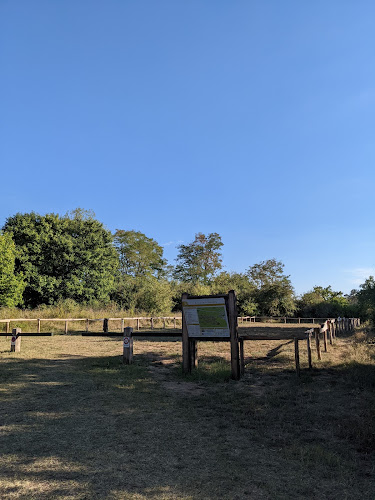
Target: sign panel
[206,317]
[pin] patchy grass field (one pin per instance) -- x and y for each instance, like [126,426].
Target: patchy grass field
[77,424]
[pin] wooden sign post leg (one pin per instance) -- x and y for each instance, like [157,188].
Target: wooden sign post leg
[234,350]
[193,347]
[186,361]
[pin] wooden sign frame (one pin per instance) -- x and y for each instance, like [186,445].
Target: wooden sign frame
[189,344]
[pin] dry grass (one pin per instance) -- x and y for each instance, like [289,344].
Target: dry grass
[77,424]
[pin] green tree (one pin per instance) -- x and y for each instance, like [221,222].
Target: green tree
[322,302]
[69,257]
[366,299]
[274,293]
[200,260]
[11,285]
[244,288]
[138,254]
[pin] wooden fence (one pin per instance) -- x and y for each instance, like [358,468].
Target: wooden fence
[137,321]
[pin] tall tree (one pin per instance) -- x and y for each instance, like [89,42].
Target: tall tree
[321,302]
[274,292]
[200,260]
[138,254]
[11,285]
[63,257]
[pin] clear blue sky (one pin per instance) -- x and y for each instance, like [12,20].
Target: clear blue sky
[253,119]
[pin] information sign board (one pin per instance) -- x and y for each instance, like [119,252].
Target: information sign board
[206,317]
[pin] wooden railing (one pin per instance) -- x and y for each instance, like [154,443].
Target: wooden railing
[105,321]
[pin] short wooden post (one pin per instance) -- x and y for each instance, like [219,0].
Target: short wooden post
[234,350]
[8,327]
[299,320]
[317,342]
[152,323]
[105,325]
[308,339]
[313,320]
[127,356]
[137,323]
[285,319]
[122,324]
[174,323]
[15,344]
[242,356]
[296,356]
[186,367]
[38,327]
[87,325]
[66,327]
[330,333]
[164,323]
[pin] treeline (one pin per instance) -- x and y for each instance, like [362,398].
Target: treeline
[49,259]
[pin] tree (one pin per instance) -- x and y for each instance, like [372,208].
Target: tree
[366,299]
[138,254]
[199,261]
[323,302]
[69,257]
[274,293]
[11,285]
[245,291]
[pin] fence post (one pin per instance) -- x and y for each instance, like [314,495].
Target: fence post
[296,356]
[66,327]
[308,339]
[137,323]
[317,342]
[127,356]
[105,325]
[15,344]
[87,325]
[38,328]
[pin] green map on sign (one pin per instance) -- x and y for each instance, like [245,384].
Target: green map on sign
[212,317]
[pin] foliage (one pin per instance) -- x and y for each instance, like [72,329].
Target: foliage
[273,293]
[63,257]
[323,302]
[245,291]
[200,260]
[11,285]
[138,254]
[366,299]
[143,294]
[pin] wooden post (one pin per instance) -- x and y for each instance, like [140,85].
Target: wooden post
[8,327]
[296,356]
[186,367]
[317,342]
[152,323]
[325,337]
[15,344]
[163,323]
[242,356]
[313,321]
[66,327]
[234,351]
[330,333]
[299,320]
[174,323]
[87,325]
[285,319]
[193,353]
[105,325]
[127,356]
[38,327]
[309,350]
[122,324]
[137,323]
